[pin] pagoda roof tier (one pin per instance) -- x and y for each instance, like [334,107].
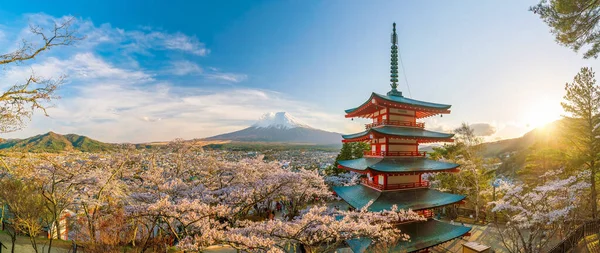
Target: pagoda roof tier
[377,101]
[399,133]
[423,235]
[416,199]
[397,165]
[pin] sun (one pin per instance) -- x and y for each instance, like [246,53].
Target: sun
[541,112]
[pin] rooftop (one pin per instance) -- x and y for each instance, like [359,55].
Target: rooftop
[416,199]
[423,235]
[407,132]
[389,165]
[403,100]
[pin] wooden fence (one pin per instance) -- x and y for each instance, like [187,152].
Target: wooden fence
[587,229]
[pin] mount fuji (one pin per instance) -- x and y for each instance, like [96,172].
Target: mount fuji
[281,127]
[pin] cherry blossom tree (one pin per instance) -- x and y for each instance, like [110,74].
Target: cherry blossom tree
[183,197]
[318,229]
[536,214]
[26,206]
[343,179]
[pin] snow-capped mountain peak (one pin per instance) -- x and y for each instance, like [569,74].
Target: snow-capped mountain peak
[280,120]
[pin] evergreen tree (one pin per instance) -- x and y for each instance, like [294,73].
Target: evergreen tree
[573,22]
[582,105]
[345,153]
[349,151]
[540,159]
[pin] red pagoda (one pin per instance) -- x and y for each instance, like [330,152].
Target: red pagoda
[394,166]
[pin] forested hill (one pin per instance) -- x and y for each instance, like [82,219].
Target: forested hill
[547,133]
[54,143]
[513,152]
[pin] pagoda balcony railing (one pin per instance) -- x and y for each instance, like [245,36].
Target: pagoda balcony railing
[396,153]
[426,213]
[407,185]
[395,123]
[375,185]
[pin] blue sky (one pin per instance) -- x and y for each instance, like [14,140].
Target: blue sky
[158,70]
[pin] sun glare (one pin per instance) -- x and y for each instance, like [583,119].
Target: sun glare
[540,113]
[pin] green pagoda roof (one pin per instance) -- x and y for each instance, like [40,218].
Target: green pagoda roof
[423,235]
[359,245]
[401,132]
[407,164]
[403,100]
[416,199]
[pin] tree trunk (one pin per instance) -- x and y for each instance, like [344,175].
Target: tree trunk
[50,245]
[594,197]
[57,227]
[477,202]
[13,240]
[33,243]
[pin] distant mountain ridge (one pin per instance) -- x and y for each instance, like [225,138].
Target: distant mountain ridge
[281,127]
[545,134]
[513,152]
[280,120]
[55,143]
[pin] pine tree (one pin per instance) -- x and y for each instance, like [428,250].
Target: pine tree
[582,105]
[349,151]
[574,23]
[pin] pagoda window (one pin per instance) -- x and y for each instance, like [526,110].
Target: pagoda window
[380,179]
[406,118]
[402,112]
[403,141]
[403,179]
[403,147]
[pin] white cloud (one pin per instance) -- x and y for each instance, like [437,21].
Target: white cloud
[136,41]
[483,129]
[141,41]
[183,67]
[116,105]
[121,101]
[179,41]
[82,66]
[230,77]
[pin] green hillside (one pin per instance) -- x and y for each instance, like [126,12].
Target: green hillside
[513,152]
[55,143]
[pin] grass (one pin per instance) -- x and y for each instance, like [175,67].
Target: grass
[24,245]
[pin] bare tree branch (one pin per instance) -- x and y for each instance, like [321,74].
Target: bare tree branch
[18,103]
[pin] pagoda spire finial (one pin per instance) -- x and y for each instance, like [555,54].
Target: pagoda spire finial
[394,65]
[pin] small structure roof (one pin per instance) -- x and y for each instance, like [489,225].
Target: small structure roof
[400,165]
[404,132]
[476,246]
[428,234]
[423,235]
[416,199]
[403,100]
